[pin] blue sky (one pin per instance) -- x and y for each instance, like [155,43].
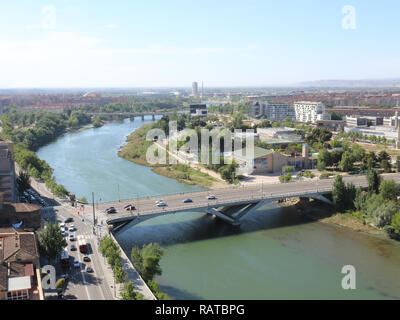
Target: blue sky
[172,43]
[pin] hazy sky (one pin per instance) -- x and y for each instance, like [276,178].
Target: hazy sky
[95,43]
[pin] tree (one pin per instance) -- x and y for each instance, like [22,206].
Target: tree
[321,166]
[369,160]
[346,164]
[359,200]
[396,224]
[325,157]
[129,292]
[339,193]
[374,180]
[147,260]
[319,135]
[383,155]
[137,259]
[385,165]
[120,274]
[350,196]
[51,241]
[151,254]
[388,190]
[379,212]
[23,182]
[285,178]
[287,169]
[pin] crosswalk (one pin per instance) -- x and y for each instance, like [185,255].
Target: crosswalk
[85,237]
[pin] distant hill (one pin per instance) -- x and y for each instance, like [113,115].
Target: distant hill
[352,83]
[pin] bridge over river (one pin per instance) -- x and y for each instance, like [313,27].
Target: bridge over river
[231,204]
[132,115]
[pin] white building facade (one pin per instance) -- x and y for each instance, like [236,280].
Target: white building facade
[310,112]
[275,111]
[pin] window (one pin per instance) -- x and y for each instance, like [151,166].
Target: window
[18,295]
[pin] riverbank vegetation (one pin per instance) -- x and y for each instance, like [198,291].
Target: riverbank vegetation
[136,149]
[147,262]
[110,250]
[377,207]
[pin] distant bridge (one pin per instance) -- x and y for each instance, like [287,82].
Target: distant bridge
[132,114]
[232,203]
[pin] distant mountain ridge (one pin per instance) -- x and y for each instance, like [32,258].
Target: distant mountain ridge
[352,83]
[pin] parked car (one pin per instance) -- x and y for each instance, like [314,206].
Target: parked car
[72,247]
[68,220]
[77,264]
[111,210]
[86,259]
[211,197]
[71,228]
[64,234]
[158,201]
[72,237]
[188,200]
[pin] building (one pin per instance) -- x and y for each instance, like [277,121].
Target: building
[261,162]
[26,214]
[19,257]
[195,89]
[356,121]
[331,125]
[269,161]
[278,134]
[198,110]
[274,111]
[7,171]
[310,112]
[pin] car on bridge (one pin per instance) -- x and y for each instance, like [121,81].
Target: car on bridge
[211,197]
[188,200]
[129,207]
[161,204]
[111,210]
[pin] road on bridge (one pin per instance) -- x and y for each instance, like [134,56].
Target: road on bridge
[235,195]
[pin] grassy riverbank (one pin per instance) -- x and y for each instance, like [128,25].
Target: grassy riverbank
[327,214]
[136,148]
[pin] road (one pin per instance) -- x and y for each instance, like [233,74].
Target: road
[82,285]
[229,196]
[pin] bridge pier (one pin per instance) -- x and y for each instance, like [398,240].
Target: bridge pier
[153,117]
[142,117]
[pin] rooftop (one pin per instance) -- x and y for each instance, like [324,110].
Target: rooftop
[258,152]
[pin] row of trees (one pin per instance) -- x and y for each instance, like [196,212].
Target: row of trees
[111,251]
[377,206]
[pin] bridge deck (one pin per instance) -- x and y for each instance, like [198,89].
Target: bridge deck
[233,196]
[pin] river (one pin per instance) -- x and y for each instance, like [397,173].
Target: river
[274,254]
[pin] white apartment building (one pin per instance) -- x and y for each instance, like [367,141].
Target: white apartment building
[275,111]
[309,111]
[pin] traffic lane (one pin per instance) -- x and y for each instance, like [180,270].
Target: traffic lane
[82,284]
